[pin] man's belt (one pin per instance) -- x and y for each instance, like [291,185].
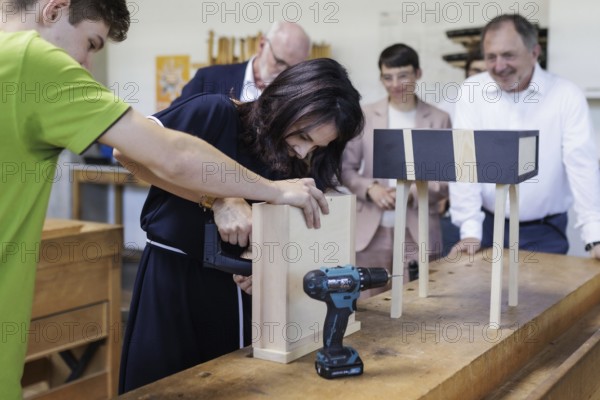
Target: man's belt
[541,221]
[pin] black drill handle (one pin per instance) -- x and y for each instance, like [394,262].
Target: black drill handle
[215,257]
[336,322]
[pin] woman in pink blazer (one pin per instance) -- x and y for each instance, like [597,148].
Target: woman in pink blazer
[399,67]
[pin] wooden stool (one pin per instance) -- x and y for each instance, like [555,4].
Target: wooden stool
[421,155]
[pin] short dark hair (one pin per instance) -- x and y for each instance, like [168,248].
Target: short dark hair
[114,13]
[525,29]
[399,55]
[314,92]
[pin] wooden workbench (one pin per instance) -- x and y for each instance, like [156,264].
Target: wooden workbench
[106,175]
[74,341]
[441,348]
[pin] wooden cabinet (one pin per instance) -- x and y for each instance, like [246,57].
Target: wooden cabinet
[74,340]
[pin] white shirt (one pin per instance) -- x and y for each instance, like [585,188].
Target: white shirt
[249,92]
[401,119]
[568,163]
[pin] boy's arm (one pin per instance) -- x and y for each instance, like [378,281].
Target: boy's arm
[190,163]
[143,173]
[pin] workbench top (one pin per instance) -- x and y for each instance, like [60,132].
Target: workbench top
[442,347]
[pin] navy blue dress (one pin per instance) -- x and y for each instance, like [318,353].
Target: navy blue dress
[181,313]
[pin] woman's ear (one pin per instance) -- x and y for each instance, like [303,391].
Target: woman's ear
[55,10]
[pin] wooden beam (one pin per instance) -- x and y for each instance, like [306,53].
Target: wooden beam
[402,191]
[513,245]
[497,255]
[423,216]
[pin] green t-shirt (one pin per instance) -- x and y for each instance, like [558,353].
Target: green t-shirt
[48,102]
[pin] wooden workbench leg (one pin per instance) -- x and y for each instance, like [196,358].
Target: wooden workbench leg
[513,241]
[402,190]
[114,318]
[76,195]
[118,199]
[423,196]
[497,256]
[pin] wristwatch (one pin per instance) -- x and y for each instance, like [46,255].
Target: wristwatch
[207,201]
[590,246]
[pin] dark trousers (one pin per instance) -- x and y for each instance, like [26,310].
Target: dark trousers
[547,235]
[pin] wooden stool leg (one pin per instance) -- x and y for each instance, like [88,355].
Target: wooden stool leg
[423,195]
[497,256]
[513,269]
[402,190]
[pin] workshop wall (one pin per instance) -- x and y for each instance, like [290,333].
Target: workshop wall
[357,34]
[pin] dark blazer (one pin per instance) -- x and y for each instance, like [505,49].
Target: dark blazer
[219,79]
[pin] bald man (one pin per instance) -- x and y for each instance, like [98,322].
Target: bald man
[285,44]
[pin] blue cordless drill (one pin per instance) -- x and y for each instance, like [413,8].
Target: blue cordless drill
[339,288]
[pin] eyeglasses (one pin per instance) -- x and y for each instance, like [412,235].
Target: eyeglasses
[278,61]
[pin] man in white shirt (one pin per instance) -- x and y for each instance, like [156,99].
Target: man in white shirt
[286,44]
[515,93]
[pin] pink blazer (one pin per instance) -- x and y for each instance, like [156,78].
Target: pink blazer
[361,149]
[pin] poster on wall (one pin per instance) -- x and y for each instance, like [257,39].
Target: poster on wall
[172,73]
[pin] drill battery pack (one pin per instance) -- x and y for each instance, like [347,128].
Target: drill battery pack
[337,364]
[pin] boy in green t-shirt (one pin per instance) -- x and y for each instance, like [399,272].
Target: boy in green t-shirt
[48,102]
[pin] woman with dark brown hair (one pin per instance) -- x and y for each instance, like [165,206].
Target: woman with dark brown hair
[183,313]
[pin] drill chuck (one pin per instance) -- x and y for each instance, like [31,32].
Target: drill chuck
[320,282]
[372,277]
